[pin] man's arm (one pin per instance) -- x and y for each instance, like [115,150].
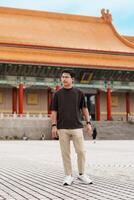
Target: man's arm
[54,124]
[54,117]
[85,113]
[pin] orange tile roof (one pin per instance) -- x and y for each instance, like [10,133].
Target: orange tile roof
[66,58]
[60,30]
[38,37]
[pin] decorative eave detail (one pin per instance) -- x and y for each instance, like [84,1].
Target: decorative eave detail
[106,15]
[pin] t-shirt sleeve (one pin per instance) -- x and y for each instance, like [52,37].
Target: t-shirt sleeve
[83,102]
[54,105]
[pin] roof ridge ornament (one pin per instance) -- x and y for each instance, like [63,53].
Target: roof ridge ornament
[106,15]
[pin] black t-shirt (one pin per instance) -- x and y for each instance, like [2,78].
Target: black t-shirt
[68,104]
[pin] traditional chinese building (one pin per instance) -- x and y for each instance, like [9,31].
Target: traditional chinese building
[36,46]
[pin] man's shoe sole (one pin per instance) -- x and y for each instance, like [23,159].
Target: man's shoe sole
[66,184]
[85,182]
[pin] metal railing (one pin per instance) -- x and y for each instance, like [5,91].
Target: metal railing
[27,115]
[131,118]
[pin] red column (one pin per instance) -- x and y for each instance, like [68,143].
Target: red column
[14,100]
[109,116]
[58,87]
[49,100]
[20,98]
[98,106]
[127,104]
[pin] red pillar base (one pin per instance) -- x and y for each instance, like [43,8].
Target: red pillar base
[20,99]
[109,115]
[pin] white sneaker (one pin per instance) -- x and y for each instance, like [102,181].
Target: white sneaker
[68,180]
[85,179]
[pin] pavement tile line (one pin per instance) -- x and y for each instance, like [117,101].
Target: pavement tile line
[114,180]
[52,167]
[21,193]
[12,193]
[59,174]
[36,167]
[64,187]
[105,194]
[5,195]
[111,165]
[25,189]
[45,185]
[60,190]
[27,192]
[121,185]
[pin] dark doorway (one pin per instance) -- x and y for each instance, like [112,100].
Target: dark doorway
[91,105]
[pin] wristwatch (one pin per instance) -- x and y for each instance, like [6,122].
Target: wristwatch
[88,122]
[54,125]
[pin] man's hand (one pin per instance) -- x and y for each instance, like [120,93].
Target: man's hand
[54,132]
[89,129]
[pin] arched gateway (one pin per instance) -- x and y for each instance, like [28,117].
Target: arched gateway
[35,46]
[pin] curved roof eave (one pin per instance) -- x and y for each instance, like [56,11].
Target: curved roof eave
[129,38]
[123,39]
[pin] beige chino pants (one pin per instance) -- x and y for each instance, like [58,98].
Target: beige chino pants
[76,135]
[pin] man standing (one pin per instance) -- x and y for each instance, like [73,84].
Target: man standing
[67,106]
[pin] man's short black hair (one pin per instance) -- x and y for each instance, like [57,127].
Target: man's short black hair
[69,71]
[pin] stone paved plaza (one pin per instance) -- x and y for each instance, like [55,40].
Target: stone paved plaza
[33,170]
